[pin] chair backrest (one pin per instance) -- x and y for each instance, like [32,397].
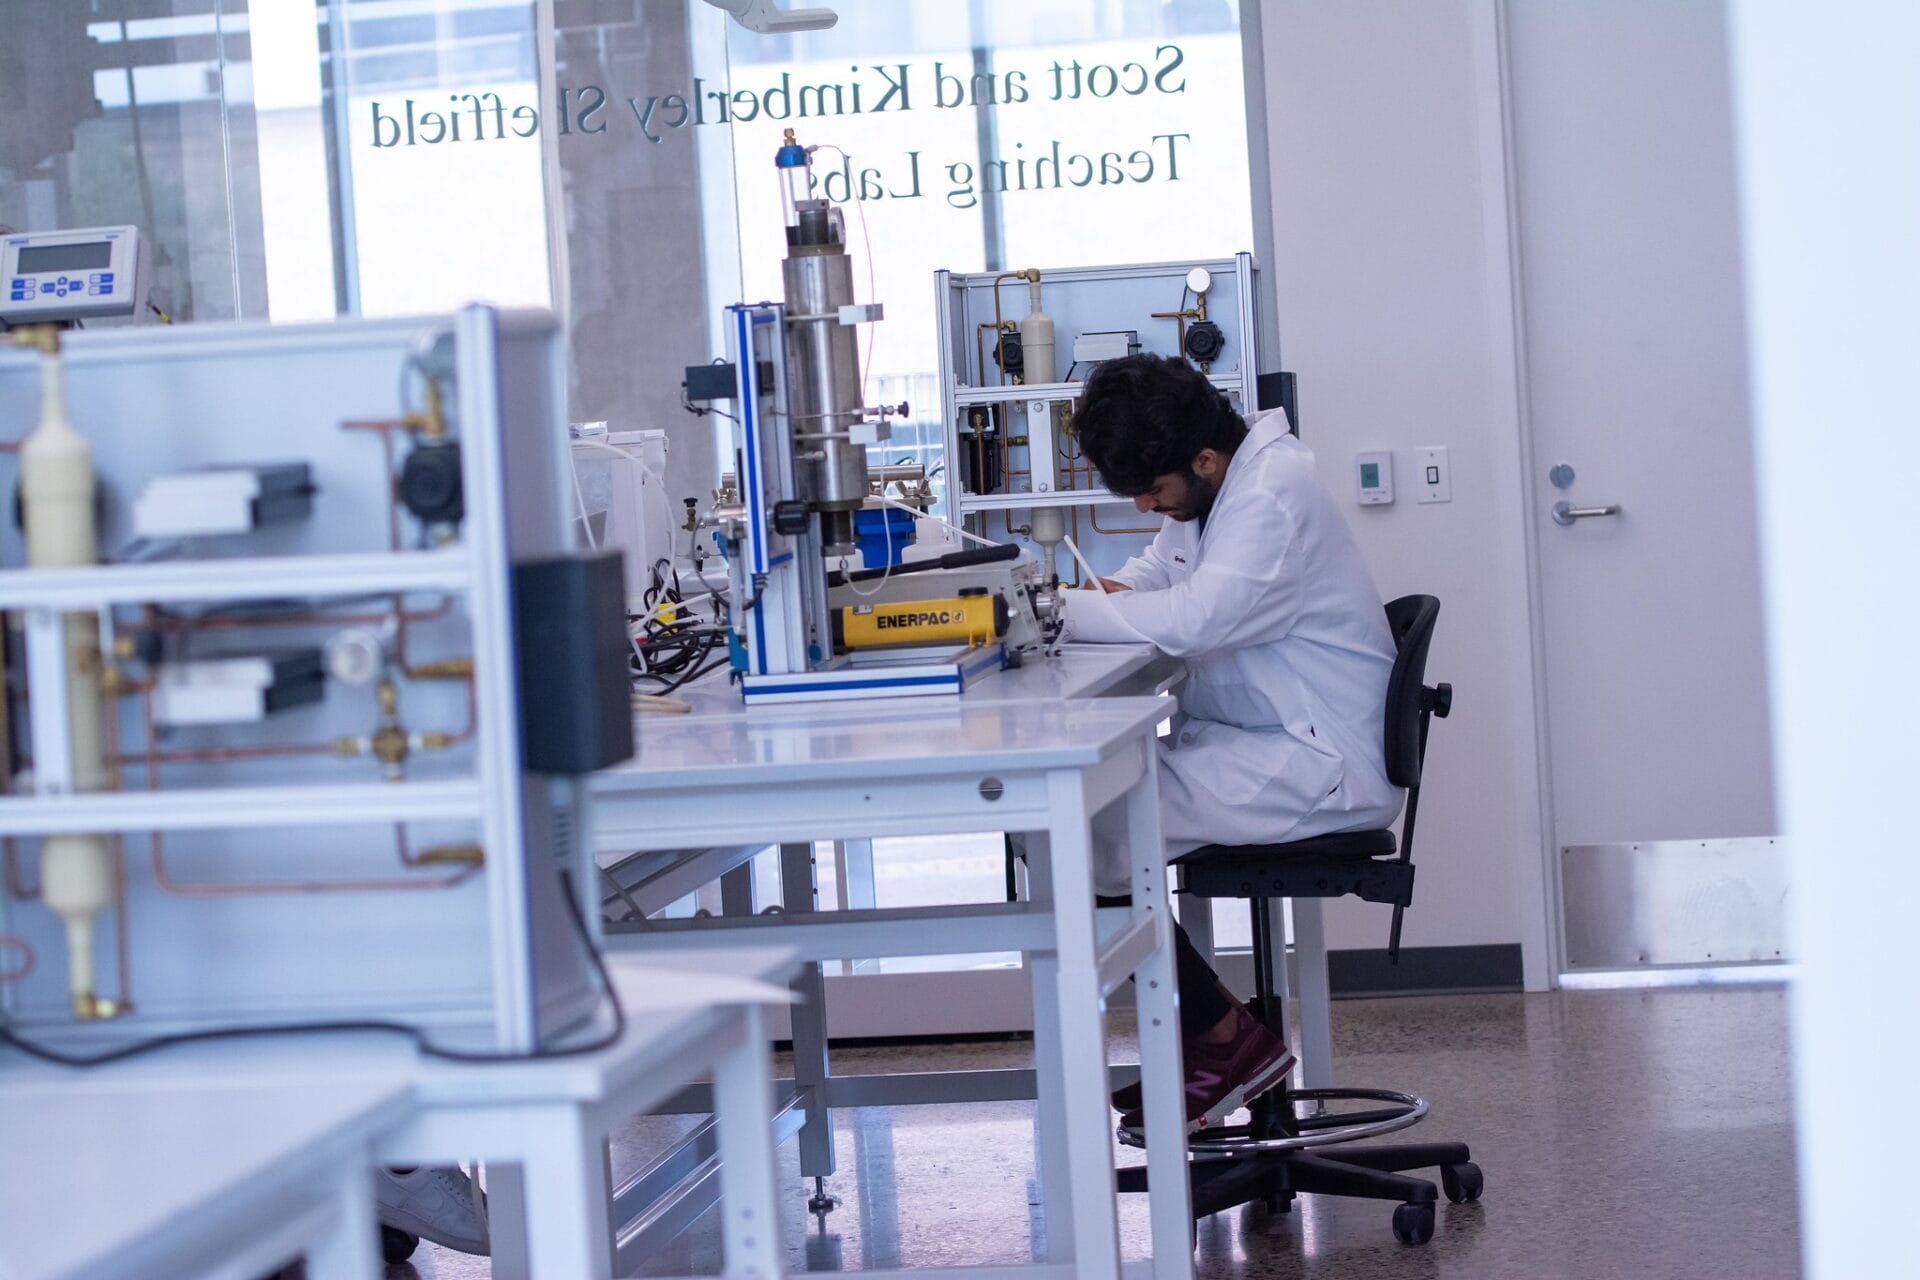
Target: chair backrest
[1411,618]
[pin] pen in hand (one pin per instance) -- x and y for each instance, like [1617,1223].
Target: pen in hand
[1085,568]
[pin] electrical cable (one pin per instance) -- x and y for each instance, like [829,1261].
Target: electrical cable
[672,650]
[419,1037]
[970,537]
[628,454]
[866,243]
[886,563]
[580,501]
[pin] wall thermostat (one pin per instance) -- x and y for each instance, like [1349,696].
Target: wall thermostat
[52,276]
[1374,472]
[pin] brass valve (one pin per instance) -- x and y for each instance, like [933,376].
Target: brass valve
[462,855]
[432,423]
[390,747]
[88,1007]
[442,669]
[389,743]
[44,338]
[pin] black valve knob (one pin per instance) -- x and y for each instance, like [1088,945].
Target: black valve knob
[790,517]
[1010,355]
[430,483]
[1205,342]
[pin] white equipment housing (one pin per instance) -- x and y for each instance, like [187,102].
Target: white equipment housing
[272,873]
[637,516]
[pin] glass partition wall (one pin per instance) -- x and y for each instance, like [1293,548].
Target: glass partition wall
[298,159]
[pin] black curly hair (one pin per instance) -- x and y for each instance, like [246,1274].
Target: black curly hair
[1142,417]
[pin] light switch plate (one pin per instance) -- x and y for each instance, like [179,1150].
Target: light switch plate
[1433,474]
[1373,475]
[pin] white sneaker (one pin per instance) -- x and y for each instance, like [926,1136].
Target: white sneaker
[439,1204]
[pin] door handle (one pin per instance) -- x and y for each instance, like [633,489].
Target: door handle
[1567,513]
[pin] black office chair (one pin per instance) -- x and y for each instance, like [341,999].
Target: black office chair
[1279,1153]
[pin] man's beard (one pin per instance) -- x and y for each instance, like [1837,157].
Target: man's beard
[1199,501]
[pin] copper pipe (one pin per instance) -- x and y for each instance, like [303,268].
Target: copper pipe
[16,887]
[280,750]
[385,428]
[1093,512]
[9,446]
[122,948]
[980,348]
[250,888]
[232,622]
[223,755]
[9,847]
[25,949]
[473,716]
[123,962]
[152,756]
[237,888]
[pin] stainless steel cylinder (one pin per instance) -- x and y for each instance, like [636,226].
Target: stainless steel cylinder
[823,365]
[837,534]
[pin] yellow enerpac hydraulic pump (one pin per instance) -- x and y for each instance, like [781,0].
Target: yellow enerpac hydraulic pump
[975,617]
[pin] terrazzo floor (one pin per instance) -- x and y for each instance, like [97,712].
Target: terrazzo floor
[1641,1134]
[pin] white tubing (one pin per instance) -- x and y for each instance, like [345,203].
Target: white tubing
[56,495]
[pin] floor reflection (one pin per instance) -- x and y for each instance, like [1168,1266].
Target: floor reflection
[1642,1134]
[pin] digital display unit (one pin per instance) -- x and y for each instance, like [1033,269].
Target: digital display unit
[85,256]
[72,276]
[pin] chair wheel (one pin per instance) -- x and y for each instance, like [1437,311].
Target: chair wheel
[397,1245]
[1413,1223]
[1461,1182]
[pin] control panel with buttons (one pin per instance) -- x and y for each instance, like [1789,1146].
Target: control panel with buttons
[93,274]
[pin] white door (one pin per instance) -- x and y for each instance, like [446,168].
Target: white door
[1636,364]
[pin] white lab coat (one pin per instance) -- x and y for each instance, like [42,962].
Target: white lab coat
[1279,733]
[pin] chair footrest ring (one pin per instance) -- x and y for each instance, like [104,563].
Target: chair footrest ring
[1408,1110]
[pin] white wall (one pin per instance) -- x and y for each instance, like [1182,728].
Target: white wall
[1391,261]
[1828,110]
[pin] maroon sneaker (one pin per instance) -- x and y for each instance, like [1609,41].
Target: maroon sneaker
[1221,1078]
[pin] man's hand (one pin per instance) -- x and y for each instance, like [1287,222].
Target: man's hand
[1110,584]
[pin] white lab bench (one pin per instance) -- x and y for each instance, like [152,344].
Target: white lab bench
[541,1127]
[128,1171]
[1027,751]
[230,1158]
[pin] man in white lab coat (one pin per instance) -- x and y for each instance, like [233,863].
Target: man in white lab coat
[1256,582]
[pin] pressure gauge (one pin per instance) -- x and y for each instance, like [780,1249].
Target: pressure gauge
[1199,280]
[355,656]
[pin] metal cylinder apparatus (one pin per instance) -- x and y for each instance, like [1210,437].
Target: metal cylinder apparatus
[57,511]
[823,365]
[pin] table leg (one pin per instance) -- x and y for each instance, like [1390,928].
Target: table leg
[1196,917]
[348,1251]
[507,1220]
[800,892]
[1316,1018]
[569,1226]
[742,1101]
[736,891]
[1082,1033]
[1050,1092]
[1162,1076]
[857,889]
